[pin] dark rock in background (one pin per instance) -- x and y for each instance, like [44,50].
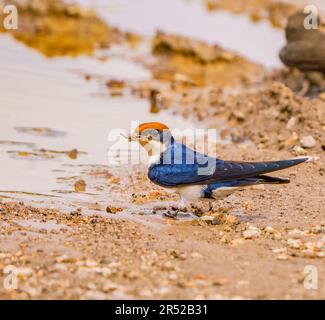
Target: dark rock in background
[305,48]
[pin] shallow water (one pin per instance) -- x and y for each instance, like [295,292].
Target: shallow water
[48,104]
[259,41]
[48,108]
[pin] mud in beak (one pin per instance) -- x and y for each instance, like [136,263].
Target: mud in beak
[131,137]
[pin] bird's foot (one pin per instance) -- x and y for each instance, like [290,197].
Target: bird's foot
[197,210]
[171,214]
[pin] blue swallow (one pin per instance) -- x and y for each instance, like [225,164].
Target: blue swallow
[194,175]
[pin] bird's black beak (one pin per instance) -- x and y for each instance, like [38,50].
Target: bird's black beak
[131,137]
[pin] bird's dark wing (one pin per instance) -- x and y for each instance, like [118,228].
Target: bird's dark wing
[213,170]
[261,179]
[229,170]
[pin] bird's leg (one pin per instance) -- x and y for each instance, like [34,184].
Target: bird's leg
[210,205]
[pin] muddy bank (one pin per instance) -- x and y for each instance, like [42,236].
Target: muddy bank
[199,64]
[55,28]
[276,12]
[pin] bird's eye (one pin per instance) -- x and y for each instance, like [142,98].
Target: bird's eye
[149,138]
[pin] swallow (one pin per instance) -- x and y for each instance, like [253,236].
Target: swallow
[194,175]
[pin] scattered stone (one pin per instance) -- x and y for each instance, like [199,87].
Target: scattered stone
[211,219]
[60,267]
[296,234]
[80,185]
[280,250]
[269,230]
[196,255]
[308,142]
[294,243]
[24,272]
[318,229]
[299,151]
[220,281]
[283,256]
[291,122]
[237,241]
[113,210]
[65,259]
[251,233]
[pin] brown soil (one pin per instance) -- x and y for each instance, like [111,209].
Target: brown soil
[273,10]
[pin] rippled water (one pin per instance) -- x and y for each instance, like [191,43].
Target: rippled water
[48,108]
[48,104]
[257,41]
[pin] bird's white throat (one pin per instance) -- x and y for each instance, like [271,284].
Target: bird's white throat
[154,150]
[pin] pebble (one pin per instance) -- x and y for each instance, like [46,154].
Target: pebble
[294,243]
[299,151]
[296,234]
[282,256]
[196,255]
[308,142]
[80,186]
[113,210]
[251,232]
[24,272]
[60,266]
[279,250]
[211,220]
[269,230]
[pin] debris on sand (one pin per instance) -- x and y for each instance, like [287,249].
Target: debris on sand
[80,185]
[200,63]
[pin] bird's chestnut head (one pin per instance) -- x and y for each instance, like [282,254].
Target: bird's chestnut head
[153,136]
[149,132]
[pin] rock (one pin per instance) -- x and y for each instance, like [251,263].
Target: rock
[294,243]
[80,185]
[168,266]
[292,121]
[60,267]
[211,220]
[251,233]
[318,229]
[282,256]
[308,142]
[295,233]
[269,230]
[24,272]
[321,96]
[299,151]
[196,255]
[305,48]
[280,250]
[113,210]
